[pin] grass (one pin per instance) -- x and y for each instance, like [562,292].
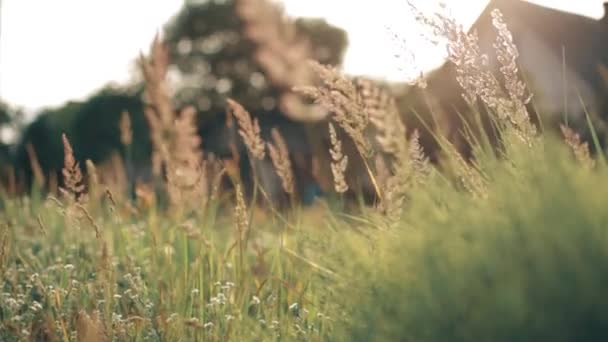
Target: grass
[527,262]
[510,246]
[151,277]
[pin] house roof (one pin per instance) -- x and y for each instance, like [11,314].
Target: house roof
[583,39]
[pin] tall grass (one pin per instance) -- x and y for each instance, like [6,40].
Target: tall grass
[509,246]
[526,263]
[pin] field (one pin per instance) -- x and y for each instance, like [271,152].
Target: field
[510,245]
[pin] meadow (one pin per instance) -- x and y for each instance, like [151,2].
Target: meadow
[506,246]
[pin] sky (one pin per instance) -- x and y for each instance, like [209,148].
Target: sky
[78,46]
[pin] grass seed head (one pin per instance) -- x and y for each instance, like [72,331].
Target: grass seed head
[339,161]
[72,176]
[580,149]
[249,130]
[279,154]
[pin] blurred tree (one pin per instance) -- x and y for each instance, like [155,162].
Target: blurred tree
[5,120]
[44,134]
[95,129]
[92,127]
[213,60]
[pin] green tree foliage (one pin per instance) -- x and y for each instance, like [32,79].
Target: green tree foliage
[93,128]
[44,134]
[213,60]
[96,126]
[5,120]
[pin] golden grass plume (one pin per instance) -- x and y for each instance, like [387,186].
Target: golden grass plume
[339,161]
[279,154]
[249,129]
[74,187]
[579,148]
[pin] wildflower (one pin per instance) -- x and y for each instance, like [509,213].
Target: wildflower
[36,306]
[172,317]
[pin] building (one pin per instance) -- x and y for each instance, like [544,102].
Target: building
[563,59]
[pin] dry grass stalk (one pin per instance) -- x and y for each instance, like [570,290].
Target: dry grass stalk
[281,53]
[175,138]
[12,186]
[145,196]
[411,168]
[279,154]
[85,213]
[53,183]
[517,94]
[580,149]
[418,160]
[249,130]
[469,176]
[104,268]
[409,164]
[240,213]
[43,329]
[474,74]
[113,175]
[159,110]
[186,173]
[339,161]
[216,171]
[384,116]
[74,187]
[4,249]
[41,225]
[90,328]
[35,164]
[339,96]
[126,132]
[383,173]
[93,179]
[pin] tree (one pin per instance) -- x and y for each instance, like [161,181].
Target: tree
[93,128]
[5,120]
[213,60]
[44,135]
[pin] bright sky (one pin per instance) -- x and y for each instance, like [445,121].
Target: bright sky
[54,51]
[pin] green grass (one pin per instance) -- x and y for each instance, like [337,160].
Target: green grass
[178,280]
[528,262]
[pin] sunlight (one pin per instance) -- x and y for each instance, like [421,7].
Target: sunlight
[372,50]
[86,52]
